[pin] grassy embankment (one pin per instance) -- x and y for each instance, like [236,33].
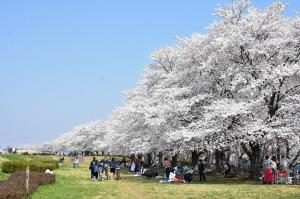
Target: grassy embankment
[3,158]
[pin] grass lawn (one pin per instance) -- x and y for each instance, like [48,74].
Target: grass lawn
[3,176]
[75,183]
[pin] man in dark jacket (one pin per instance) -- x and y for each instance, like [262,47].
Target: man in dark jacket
[201,170]
[91,167]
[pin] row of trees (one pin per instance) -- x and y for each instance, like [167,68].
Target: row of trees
[234,90]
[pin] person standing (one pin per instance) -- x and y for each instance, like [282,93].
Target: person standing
[113,166]
[274,166]
[284,163]
[76,162]
[267,163]
[132,165]
[168,166]
[91,167]
[267,170]
[100,169]
[201,170]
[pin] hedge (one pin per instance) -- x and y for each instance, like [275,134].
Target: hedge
[14,187]
[12,166]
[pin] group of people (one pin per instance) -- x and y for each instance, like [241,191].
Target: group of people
[270,166]
[274,164]
[136,165]
[170,172]
[100,168]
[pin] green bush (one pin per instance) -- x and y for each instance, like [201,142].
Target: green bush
[12,166]
[38,158]
[186,162]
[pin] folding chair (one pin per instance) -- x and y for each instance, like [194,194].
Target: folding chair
[282,177]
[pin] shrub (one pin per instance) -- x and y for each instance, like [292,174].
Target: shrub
[186,162]
[39,158]
[14,187]
[12,166]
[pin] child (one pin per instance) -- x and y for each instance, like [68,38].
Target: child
[118,175]
[100,170]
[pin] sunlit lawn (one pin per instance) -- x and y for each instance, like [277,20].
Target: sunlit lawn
[75,183]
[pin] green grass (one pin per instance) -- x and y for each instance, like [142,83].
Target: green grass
[25,157]
[75,183]
[3,176]
[16,157]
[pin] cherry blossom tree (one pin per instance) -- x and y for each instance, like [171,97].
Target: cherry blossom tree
[235,88]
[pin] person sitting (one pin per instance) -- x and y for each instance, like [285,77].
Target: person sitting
[188,177]
[151,172]
[179,168]
[172,176]
[185,169]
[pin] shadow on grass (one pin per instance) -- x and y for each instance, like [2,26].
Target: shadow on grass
[210,179]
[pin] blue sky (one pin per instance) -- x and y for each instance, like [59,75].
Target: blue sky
[63,63]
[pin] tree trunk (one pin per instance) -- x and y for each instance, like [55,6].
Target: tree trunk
[287,154]
[254,157]
[149,159]
[195,157]
[174,159]
[140,156]
[278,150]
[160,155]
[219,157]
